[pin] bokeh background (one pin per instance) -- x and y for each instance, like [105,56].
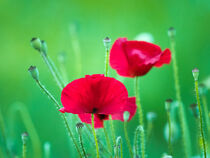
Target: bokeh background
[53,21]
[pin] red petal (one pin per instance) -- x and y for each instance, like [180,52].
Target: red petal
[118,57]
[86,118]
[165,58]
[130,107]
[94,94]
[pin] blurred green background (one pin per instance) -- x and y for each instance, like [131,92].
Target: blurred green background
[20,20]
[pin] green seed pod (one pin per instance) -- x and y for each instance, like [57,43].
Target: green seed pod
[36,43]
[107,43]
[171,32]
[34,72]
[24,137]
[195,73]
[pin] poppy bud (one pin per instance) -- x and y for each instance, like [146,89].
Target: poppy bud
[195,111]
[36,43]
[24,137]
[171,32]
[79,125]
[34,72]
[168,104]
[126,116]
[44,47]
[195,73]
[107,43]
[202,89]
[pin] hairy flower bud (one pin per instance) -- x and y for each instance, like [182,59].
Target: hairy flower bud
[34,72]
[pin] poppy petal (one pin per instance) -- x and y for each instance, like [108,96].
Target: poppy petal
[130,107]
[165,58]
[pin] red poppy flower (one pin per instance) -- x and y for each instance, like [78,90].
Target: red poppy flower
[136,58]
[98,95]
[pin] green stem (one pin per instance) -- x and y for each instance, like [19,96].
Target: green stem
[63,115]
[200,119]
[118,151]
[112,130]
[149,130]
[94,134]
[81,143]
[47,147]
[46,60]
[170,133]
[206,114]
[24,150]
[182,118]
[141,120]
[127,139]
[107,63]
[136,141]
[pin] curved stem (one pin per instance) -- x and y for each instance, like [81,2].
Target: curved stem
[94,134]
[200,119]
[182,118]
[127,139]
[141,120]
[63,115]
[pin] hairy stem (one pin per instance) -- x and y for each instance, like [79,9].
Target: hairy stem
[81,143]
[127,139]
[94,134]
[200,119]
[141,120]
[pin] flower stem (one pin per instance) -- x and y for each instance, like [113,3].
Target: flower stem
[24,150]
[81,143]
[47,148]
[63,115]
[141,120]
[119,151]
[170,133]
[107,63]
[94,134]
[113,130]
[107,139]
[127,139]
[48,63]
[200,119]
[182,118]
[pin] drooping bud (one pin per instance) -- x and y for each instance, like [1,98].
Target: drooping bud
[44,47]
[79,125]
[171,32]
[202,89]
[195,73]
[24,137]
[36,43]
[107,43]
[151,116]
[34,72]
[126,116]
[168,103]
[195,110]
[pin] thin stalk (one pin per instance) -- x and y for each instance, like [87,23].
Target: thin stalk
[63,115]
[47,148]
[206,114]
[118,151]
[24,151]
[182,118]
[170,133]
[127,139]
[94,134]
[81,143]
[112,130]
[149,130]
[200,119]
[46,60]
[141,120]
[136,141]
[107,63]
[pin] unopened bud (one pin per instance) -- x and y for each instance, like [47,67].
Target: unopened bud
[36,43]
[34,72]
[24,137]
[79,126]
[195,73]
[126,116]
[151,116]
[107,43]
[171,32]
[44,47]
[168,103]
